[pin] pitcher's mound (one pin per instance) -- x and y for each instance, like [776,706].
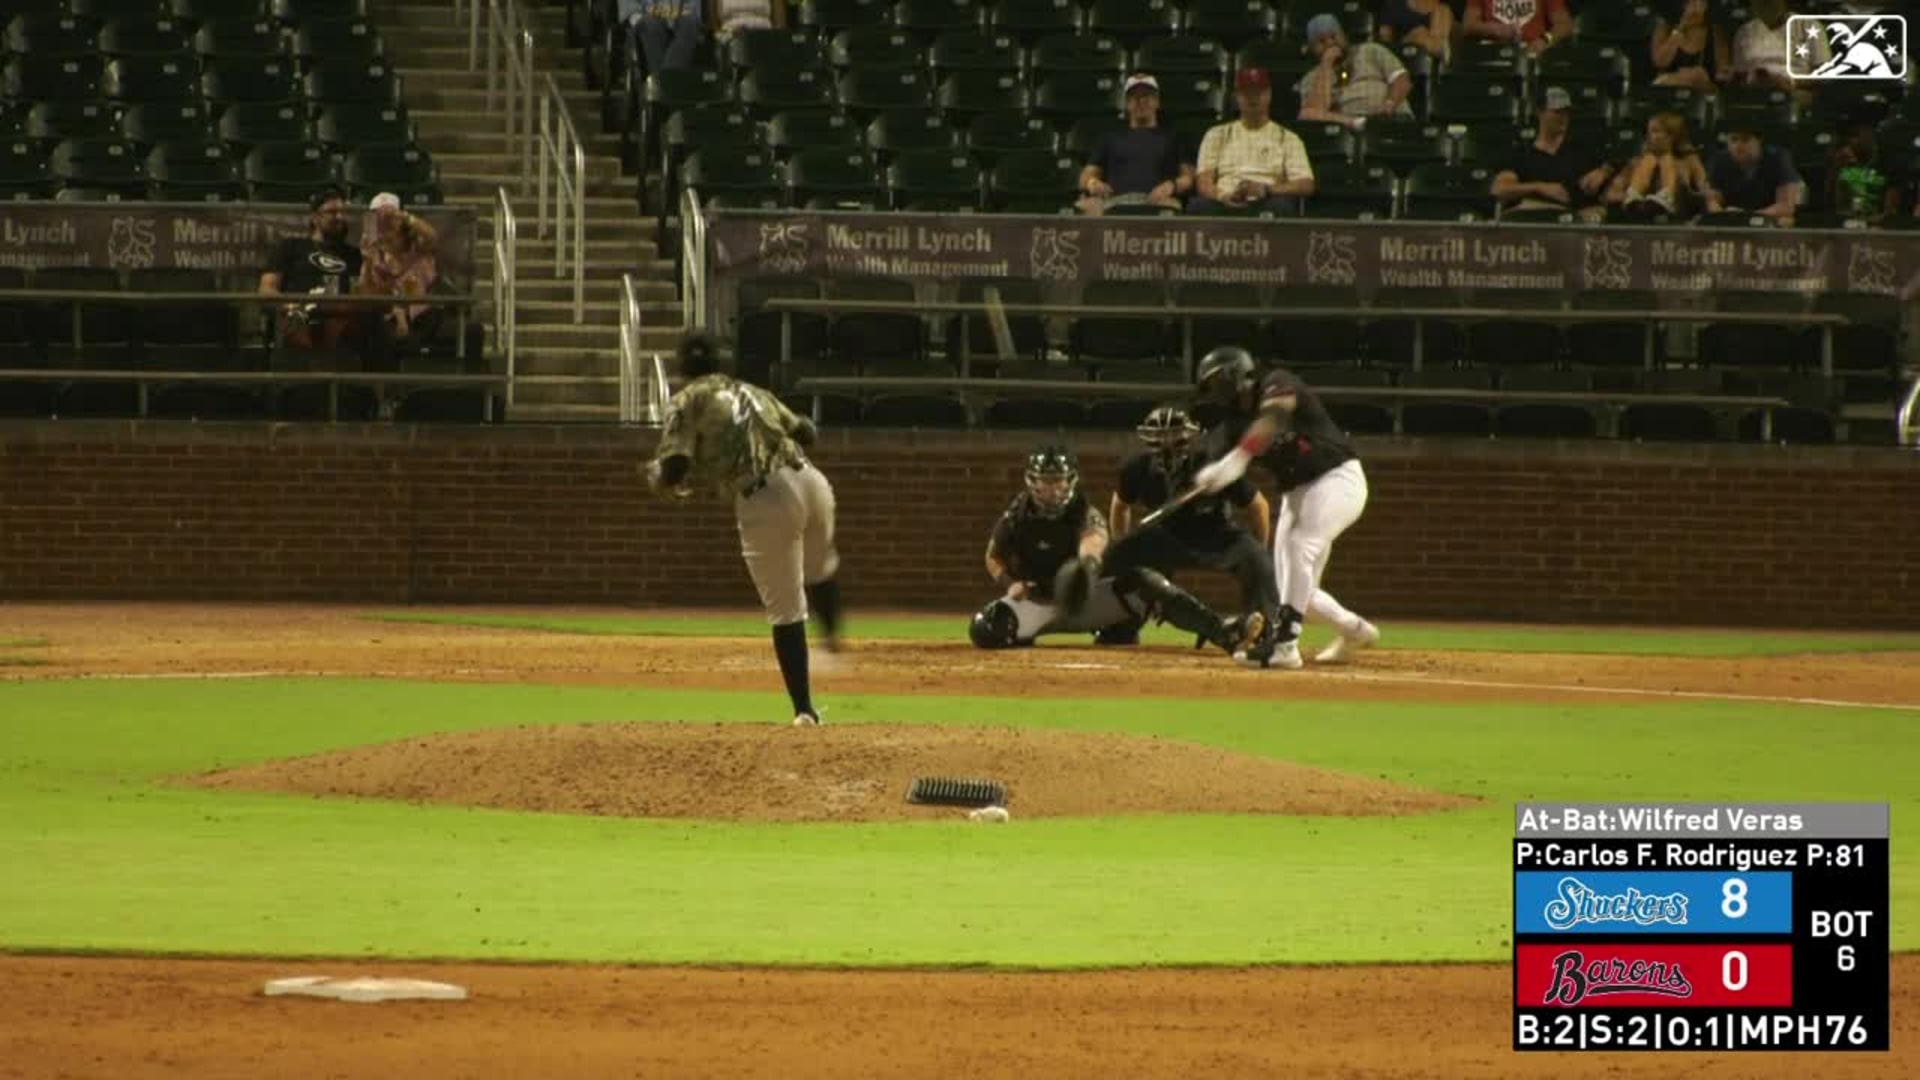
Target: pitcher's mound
[765,773]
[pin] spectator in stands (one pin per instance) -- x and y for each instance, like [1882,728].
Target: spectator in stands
[1425,24]
[668,31]
[1351,82]
[398,259]
[730,17]
[1554,171]
[1691,49]
[1760,48]
[1536,25]
[1140,163]
[1253,163]
[1858,185]
[1753,176]
[321,263]
[1667,178]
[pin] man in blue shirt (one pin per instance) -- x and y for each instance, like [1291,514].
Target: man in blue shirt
[1753,176]
[1140,163]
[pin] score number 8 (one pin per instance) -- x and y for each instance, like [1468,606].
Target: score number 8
[1733,898]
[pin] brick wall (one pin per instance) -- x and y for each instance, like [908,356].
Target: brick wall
[1593,532]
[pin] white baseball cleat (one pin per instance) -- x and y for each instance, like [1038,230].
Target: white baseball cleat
[807,719]
[1344,646]
[1286,654]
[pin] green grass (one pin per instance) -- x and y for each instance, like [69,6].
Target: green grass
[23,643]
[1415,636]
[102,854]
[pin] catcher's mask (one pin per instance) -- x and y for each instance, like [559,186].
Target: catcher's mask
[1169,431]
[1053,478]
[1222,374]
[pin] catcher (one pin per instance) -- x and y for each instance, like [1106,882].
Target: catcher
[738,441]
[1046,551]
[1200,533]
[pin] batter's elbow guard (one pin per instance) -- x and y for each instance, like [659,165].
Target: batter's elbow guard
[994,627]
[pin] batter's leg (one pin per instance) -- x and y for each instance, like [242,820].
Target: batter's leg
[771,524]
[1322,511]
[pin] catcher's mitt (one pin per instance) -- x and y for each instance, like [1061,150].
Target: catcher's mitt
[1073,585]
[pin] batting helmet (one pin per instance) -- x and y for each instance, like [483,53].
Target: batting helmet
[1053,479]
[994,627]
[1222,374]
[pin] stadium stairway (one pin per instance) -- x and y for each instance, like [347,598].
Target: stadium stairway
[566,371]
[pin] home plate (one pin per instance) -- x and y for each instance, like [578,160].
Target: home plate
[365,989]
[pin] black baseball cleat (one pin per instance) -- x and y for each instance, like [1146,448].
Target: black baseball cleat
[1121,634]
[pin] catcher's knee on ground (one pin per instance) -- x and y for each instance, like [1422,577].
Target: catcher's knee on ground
[995,627]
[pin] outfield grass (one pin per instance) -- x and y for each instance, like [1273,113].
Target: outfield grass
[103,855]
[1413,636]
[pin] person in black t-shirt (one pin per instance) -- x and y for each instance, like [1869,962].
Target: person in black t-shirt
[1140,163]
[1754,176]
[1202,534]
[1278,421]
[1554,171]
[321,263]
[1049,525]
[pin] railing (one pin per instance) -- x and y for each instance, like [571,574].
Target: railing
[509,69]
[1907,422]
[643,377]
[693,259]
[562,151]
[506,275]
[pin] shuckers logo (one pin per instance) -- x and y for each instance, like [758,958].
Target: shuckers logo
[1575,978]
[1579,903]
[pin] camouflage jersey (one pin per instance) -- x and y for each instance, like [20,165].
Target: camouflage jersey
[734,433]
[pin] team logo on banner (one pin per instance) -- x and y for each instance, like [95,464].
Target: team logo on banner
[1055,254]
[1330,258]
[785,247]
[1847,47]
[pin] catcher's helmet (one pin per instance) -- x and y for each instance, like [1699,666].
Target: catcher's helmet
[1167,428]
[994,627]
[1222,374]
[1053,479]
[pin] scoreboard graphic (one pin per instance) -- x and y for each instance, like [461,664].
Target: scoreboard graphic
[1700,927]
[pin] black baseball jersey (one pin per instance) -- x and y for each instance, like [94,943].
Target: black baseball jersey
[1146,481]
[1034,546]
[1312,446]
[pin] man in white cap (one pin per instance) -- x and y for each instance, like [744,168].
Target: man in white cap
[1140,163]
[1351,82]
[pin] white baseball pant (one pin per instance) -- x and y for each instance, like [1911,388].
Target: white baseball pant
[1312,516]
[786,536]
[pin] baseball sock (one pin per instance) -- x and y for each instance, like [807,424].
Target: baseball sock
[790,648]
[824,599]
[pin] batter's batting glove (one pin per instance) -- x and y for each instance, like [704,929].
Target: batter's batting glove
[1221,474]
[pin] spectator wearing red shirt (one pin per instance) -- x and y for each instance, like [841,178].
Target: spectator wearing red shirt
[1536,24]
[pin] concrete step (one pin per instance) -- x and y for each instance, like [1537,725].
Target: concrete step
[455,182]
[597,266]
[568,335]
[571,81]
[546,364]
[446,50]
[600,289]
[600,170]
[599,313]
[624,228]
[567,390]
[450,137]
[530,413]
[609,210]
[539,18]
[583,105]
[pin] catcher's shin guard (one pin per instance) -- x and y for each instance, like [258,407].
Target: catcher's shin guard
[1172,604]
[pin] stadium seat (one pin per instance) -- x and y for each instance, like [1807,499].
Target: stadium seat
[192,171]
[57,121]
[940,175]
[1103,338]
[1768,107]
[1086,133]
[668,92]
[246,80]
[1031,20]
[996,133]
[1033,182]
[1469,99]
[1591,105]
[1673,421]
[38,77]
[1326,143]
[732,170]
[382,167]
[1492,144]
[876,48]
[1207,332]
[82,333]
[1509,343]
[1351,191]
[930,19]
[50,35]
[1427,416]
[867,338]
[24,173]
[183,336]
[1613,344]
[152,124]
[1192,95]
[832,173]
[1390,337]
[895,133]
[1232,23]
[758,331]
[977,50]
[246,125]
[1108,414]
[296,12]
[1441,191]
[107,164]
[1644,101]
[1132,21]
[1069,95]
[201,12]
[351,81]
[1404,145]
[1099,54]
[287,171]
[1546,419]
[829,17]
[1313,340]
[1029,332]
[338,41]
[1808,418]
[915,411]
[148,79]
[774,50]
[1036,414]
[1586,63]
[1752,345]
[343,127]
[866,94]
[147,36]
[966,95]
[1866,350]
[791,132]
[227,38]
[770,92]
[1182,54]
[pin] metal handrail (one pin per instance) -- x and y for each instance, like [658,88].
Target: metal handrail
[472,9]
[509,70]
[560,148]
[1907,420]
[643,379]
[506,278]
[693,259]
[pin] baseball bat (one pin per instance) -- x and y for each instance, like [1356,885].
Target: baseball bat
[997,320]
[1173,504]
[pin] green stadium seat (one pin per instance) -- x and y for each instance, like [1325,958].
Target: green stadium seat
[297,12]
[201,12]
[352,81]
[767,92]
[1750,345]
[994,134]
[1507,343]
[866,94]
[57,121]
[246,125]
[182,336]
[1325,142]
[932,174]
[109,163]
[829,17]
[50,35]
[287,171]
[915,411]
[24,173]
[732,170]
[149,124]
[1186,54]
[1097,53]
[1029,331]
[1644,101]
[1460,419]
[1306,341]
[149,79]
[1210,331]
[977,50]
[1232,23]
[1066,96]
[1103,338]
[790,132]
[380,167]
[104,10]
[216,41]
[1036,414]
[901,132]
[1612,345]
[876,338]
[1086,133]
[876,48]
[161,36]
[1351,191]
[1031,20]
[1133,21]
[833,173]
[965,95]
[1033,182]
[250,80]
[1577,62]
[37,77]
[75,192]
[343,127]
[1766,106]
[337,41]
[1474,99]
[769,49]
[1185,94]
[193,172]
[1404,145]
[1546,419]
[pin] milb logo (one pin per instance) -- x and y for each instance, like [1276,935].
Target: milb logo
[1831,47]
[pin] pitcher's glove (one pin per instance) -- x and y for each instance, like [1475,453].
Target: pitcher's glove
[1073,585]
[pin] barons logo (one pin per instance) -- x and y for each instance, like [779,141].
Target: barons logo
[1575,978]
[1580,903]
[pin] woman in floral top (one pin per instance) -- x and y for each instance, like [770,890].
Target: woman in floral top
[398,259]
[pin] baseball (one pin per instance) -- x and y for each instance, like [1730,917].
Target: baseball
[994,814]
